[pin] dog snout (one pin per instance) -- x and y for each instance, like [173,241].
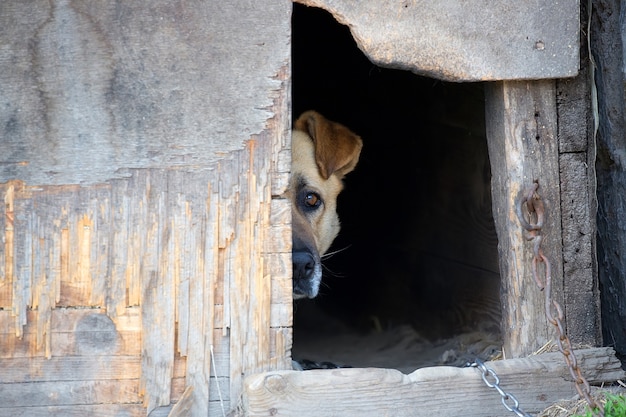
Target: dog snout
[306,274]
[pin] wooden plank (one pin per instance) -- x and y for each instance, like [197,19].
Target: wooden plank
[117,299]
[102,114]
[69,368]
[577,162]
[46,263]
[237,265]
[77,368]
[22,257]
[607,36]
[582,298]
[58,393]
[184,405]
[250,281]
[523,148]
[282,341]
[200,299]
[82,216]
[94,410]
[536,381]
[72,332]
[465,41]
[7,230]
[157,297]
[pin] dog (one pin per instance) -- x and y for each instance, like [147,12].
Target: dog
[322,153]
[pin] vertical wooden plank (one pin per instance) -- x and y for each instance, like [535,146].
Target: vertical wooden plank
[608,38]
[100,207]
[116,300]
[250,288]
[76,284]
[522,141]
[194,251]
[7,226]
[23,256]
[183,241]
[277,240]
[46,264]
[260,191]
[157,297]
[138,185]
[579,206]
[278,247]
[212,272]
[234,182]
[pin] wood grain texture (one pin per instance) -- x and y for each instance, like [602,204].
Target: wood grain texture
[607,43]
[168,266]
[93,90]
[536,381]
[141,218]
[579,205]
[523,147]
[464,41]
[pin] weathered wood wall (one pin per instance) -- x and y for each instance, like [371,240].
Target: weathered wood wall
[608,35]
[523,147]
[579,207]
[544,131]
[143,152]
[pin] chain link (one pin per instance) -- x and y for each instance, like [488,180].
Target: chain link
[554,313]
[506,397]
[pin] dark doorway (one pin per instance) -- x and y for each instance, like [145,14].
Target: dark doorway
[416,262]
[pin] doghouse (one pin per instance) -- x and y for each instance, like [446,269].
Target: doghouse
[145,260]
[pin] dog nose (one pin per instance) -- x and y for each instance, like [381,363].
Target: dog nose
[303,265]
[307,274]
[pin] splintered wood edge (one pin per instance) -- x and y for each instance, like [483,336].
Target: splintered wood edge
[536,381]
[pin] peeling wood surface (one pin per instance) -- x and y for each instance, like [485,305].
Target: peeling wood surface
[476,40]
[144,152]
[171,228]
[536,381]
[523,147]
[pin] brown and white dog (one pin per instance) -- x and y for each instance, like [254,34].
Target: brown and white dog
[322,152]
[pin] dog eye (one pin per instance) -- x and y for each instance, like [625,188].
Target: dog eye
[312,200]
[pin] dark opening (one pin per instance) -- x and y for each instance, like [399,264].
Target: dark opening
[415,281]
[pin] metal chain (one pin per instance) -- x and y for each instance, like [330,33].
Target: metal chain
[506,397]
[536,216]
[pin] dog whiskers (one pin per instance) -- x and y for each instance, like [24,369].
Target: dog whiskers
[330,272]
[333,253]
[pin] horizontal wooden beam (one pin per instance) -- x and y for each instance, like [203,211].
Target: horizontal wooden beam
[536,381]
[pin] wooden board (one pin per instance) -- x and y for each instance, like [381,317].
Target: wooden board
[536,382]
[473,40]
[607,35]
[92,90]
[577,170]
[521,130]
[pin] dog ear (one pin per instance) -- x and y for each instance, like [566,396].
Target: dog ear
[337,149]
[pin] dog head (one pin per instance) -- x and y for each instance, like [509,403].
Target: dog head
[322,152]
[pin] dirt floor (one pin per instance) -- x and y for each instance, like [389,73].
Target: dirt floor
[318,337]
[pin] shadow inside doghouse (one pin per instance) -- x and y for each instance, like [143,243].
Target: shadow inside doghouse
[414,280]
